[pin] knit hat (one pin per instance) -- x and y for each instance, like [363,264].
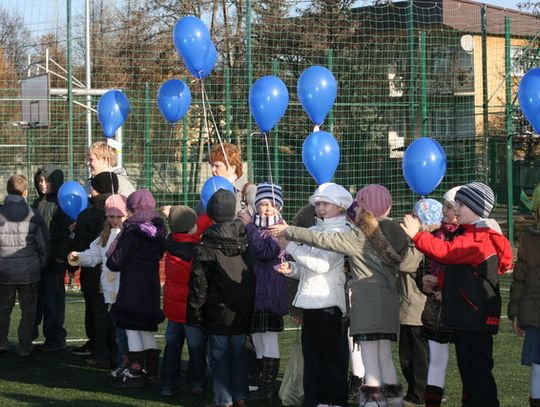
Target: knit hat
[182,219]
[222,206]
[429,211]
[375,198]
[141,200]
[478,197]
[269,191]
[450,195]
[332,193]
[115,205]
[105,182]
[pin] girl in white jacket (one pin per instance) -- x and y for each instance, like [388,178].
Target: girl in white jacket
[321,296]
[115,209]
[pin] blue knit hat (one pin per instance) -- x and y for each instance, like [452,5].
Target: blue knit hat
[429,211]
[272,192]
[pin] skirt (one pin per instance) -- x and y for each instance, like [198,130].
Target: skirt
[265,321]
[375,337]
[531,347]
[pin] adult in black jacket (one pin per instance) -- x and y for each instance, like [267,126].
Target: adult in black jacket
[51,307]
[97,322]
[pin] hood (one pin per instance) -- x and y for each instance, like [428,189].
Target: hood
[181,245]
[147,224]
[15,208]
[228,237]
[387,237]
[54,174]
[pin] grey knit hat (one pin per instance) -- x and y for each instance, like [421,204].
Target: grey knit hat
[222,206]
[181,219]
[478,197]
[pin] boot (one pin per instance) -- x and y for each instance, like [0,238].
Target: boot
[534,402]
[135,375]
[371,396]
[267,390]
[151,365]
[394,395]
[354,388]
[433,396]
[255,372]
[119,371]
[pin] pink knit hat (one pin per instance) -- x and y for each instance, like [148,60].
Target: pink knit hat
[115,205]
[375,198]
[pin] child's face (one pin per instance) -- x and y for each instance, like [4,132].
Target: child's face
[464,214]
[97,165]
[266,208]
[44,185]
[221,169]
[115,221]
[449,213]
[326,210]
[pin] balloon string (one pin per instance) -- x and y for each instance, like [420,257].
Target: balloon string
[269,162]
[205,119]
[205,97]
[165,179]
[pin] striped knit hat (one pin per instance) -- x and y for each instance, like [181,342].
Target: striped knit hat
[272,192]
[478,197]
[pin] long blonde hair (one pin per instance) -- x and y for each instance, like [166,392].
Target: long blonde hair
[104,237]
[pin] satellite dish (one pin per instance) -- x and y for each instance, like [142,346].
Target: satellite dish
[467,43]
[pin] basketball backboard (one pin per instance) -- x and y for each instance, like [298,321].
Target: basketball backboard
[35,101]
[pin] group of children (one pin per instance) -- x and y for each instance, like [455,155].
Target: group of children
[430,281]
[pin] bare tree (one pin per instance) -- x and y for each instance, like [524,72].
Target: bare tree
[15,39]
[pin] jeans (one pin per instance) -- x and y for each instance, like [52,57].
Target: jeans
[175,335]
[27,295]
[228,361]
[121,344]
[51,306]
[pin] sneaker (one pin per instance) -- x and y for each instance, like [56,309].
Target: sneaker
[47,347]
[118,372]
[82,350]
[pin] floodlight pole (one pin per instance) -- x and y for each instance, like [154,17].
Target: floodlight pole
[69,91]
[88,75]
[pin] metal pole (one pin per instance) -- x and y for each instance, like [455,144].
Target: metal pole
[88,74]
[147,156]
[330,62]
[508,120]
[423,70]
[485,97]
[185,178]
[412,96]
[118,136]
[70,91]
[250,82]
[228,115]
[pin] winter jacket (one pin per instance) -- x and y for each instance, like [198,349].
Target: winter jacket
[55,219]
[271,292]
[88,227]
[222,286]
[125,187]
[24,242]
[179,252]
[377,250]
[97,254]
[321,272]
[136,254]
[471,297]
[411,299]
[525,289]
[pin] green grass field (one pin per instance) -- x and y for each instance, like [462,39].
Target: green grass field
[61,379]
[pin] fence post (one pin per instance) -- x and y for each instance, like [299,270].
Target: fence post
[508,121]
[485,97]
[330,62]
[227,74]
[147,153]
[249,63]
[185,178]
[412,96]
[69,90]
[423,69]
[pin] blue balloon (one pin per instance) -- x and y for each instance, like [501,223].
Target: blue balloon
[192,41]
[112,111]
[174,99]
[208,66]
[424,165]
[320,153]
[529,97]
[317,90]
[72,199]
[211,185]
[268,101]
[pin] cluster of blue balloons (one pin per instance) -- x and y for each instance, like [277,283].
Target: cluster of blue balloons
[72,199]
[424,165]
[529,97]
[112,111]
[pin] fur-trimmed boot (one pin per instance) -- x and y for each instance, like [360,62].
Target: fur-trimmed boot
[534,402]
[433,396]
[354,388]
[371,396]
[255,372]
[135,375]
[151,365]
[267,390]
[394,395]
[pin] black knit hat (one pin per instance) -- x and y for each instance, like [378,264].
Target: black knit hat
[222,206]
[182,219]
[105,183]
[478,197]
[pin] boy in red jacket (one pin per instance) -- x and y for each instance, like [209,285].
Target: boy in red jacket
[471,302]
[180,245]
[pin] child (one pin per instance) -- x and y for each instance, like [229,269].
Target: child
[136,254]
[471,300]
[116,212]
[180,250]
[271,297]
[321,295]
[24,251]
[221,297]
[438,337]
[413,350]
[377,250]
[524,297]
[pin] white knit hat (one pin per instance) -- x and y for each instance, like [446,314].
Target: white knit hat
[332,193]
